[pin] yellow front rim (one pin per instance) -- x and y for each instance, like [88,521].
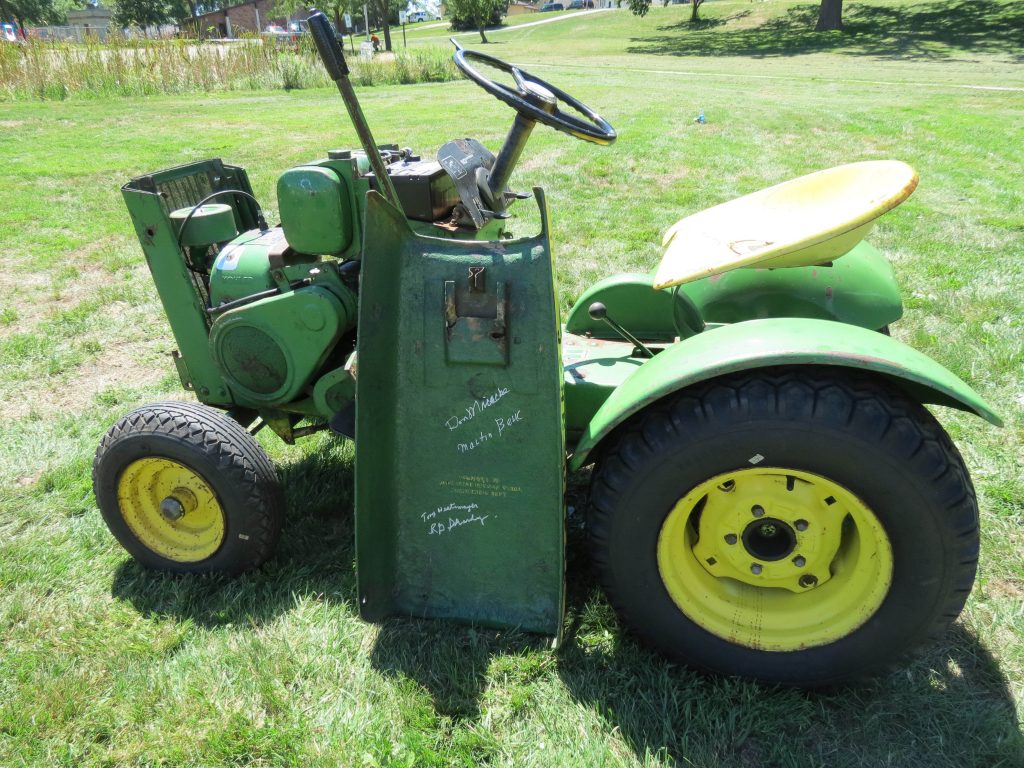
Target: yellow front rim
[774,559]
[171,509]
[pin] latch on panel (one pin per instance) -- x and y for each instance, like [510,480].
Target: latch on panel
[475,320]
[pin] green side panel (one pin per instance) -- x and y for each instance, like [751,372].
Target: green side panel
[150,200]
[632,302]
[269,350]
[460,453]
[763,343]
[594,368]
[181,299]
[315,210]
[859,289]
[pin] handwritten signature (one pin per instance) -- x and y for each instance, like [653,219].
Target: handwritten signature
[445,508]
[436,529]
[476,407]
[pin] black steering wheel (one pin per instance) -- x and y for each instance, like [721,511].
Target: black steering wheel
[537,100]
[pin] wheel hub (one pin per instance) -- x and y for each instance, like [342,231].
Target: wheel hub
[171,509]
[756,528]
[174,507]
[774,559]
[769,539]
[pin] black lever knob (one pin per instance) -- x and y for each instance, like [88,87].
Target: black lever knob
[327,45]
[598,311]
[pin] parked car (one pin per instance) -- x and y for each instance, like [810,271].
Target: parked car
[552,7]
[9,33]
[577,4]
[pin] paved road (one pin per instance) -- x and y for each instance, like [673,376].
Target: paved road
[491,30]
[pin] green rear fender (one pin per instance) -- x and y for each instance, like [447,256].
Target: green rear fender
[775,342]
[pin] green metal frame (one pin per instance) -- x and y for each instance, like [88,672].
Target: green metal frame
[460,443]
[858,288]
[776,342]
[150,200]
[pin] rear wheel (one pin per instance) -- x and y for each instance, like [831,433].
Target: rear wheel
[184,488]
[801,526]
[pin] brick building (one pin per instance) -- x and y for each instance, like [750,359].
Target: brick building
[251,17]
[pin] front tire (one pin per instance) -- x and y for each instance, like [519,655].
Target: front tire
[798,526]
[186,489]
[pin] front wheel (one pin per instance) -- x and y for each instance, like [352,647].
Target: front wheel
[800,526]
[186,489]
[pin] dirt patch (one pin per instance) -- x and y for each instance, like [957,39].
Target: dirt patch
[544,160]
[129,365]
[1009,589]
[36,296]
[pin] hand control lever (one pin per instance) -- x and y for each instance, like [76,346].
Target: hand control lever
[599,311]
[334,61]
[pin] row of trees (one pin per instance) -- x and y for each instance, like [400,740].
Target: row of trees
[155,13]
[830,12]
[25,12]
[466,14]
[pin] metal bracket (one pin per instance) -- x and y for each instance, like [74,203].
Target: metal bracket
[480,333]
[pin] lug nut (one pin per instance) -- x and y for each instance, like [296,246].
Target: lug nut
[800,525]
[808,580]
[799,561]
[756,569]
[730,538]
[757,510]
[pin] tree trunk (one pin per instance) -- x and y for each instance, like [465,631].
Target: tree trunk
[830,15]
[694,6]
[480,28]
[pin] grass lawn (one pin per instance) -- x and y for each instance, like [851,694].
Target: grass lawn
[103,663]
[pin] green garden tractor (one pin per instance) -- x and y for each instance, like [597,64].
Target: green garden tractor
[769,496]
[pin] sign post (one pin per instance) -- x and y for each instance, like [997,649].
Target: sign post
[349,29]
[402,17]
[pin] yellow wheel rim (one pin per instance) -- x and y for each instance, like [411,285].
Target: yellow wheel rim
[171,509]
[774,559]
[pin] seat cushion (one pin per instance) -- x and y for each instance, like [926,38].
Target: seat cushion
[805,221]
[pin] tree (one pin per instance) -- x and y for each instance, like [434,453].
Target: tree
[475,13]
[641,7]
[830,15]
[29,11]
[144,13]
[383,12]
[337,10]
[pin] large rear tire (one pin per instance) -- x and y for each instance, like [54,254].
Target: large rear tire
[186,489]
[801,526]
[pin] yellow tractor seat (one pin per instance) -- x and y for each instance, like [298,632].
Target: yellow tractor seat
[810,220]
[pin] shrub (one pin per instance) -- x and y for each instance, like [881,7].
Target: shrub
[122,67]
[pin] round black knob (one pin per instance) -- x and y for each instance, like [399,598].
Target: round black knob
[598,311]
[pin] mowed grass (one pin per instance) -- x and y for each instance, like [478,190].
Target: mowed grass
[103,663]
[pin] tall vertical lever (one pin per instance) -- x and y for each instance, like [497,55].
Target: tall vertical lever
[334,61]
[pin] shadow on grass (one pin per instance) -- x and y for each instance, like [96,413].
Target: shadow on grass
[313,557]
[936,31]
[950,706]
